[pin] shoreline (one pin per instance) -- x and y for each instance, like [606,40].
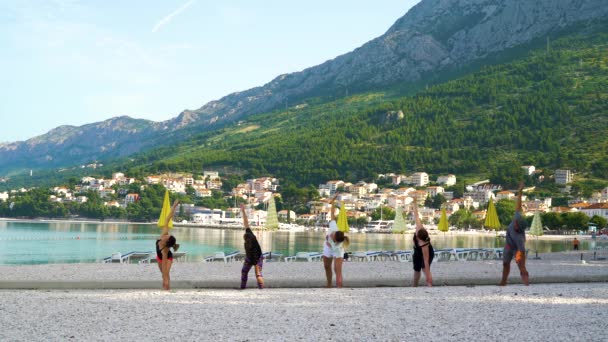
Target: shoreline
[233,227]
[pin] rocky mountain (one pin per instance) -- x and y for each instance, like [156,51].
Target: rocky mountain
[433,37]
[64,145]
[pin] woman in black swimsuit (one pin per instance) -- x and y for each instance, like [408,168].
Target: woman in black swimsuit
[164,256]
[423,251]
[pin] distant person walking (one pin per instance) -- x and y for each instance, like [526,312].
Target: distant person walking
[253,255]
[515,245]
[575,244]
[333,249]
[423,251]
[164,256]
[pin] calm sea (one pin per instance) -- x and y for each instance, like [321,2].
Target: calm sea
[58,242]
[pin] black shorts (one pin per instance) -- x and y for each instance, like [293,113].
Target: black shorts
[418,260]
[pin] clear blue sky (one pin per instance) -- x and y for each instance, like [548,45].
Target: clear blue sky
[69,62]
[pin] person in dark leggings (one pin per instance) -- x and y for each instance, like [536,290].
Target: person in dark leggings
[423,251]
[253,255]
[515,244]
[164,256]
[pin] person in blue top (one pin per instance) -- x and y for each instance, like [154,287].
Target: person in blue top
[333,248]
[515,244]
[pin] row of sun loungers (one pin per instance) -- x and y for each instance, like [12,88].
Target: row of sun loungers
[239,256]
[137,257]
[450,254]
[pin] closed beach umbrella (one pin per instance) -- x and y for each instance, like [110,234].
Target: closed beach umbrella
[536,229]
[443,221]
[272,221]
[399,223]
[342,219]
[164,213]
[491,221]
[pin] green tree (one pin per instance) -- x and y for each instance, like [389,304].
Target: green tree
[599,221]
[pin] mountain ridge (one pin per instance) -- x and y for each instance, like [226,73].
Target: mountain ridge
[431,38]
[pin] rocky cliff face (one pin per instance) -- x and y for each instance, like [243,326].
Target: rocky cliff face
[432,36]
[119,136]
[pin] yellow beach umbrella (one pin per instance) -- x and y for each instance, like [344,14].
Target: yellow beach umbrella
[164,213]
[491,221]
[342,219]
[443,221]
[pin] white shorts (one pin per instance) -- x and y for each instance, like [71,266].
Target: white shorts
[337,252]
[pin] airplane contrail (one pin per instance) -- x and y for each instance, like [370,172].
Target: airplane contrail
[168,18]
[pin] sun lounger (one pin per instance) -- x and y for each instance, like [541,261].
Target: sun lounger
[404,256]
[395,255]
[131,257]
[218,256]
[307,256]
[367,255]
[139,257]
[114,258]
[272,256]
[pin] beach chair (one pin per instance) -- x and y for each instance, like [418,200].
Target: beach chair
[178,255]
[366,255]
[217,256]
[139,257]
[272,256]
[306,256]
[405,256]
[443,255]
[114,258]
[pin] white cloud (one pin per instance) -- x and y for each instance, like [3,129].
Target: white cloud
[170,17]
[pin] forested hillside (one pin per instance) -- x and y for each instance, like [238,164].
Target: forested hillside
[549,109]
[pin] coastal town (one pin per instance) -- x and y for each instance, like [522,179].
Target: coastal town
[363,201]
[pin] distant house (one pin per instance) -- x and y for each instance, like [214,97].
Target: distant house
[528,169]
[282,215]
[505,194]
[131,198]
[448,180]
[599,209]
[434,190]
[563,176]
[420,179]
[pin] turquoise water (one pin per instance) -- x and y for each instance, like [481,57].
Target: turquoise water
[58,242]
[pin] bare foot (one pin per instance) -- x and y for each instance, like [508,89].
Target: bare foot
[525,278]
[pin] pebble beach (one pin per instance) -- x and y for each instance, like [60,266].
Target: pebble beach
[566,301]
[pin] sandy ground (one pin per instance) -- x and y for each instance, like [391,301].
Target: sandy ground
[551,312]
[567,301]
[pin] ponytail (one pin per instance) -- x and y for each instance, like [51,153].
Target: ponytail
[346,242]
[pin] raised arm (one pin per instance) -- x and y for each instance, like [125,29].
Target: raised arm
[518,206]
[332,201]
[169,217]
[244,214]
[416,216]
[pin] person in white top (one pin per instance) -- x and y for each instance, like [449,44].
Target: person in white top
[333,248]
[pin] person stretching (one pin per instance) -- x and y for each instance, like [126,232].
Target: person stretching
[164,256]
[423,251]
[515,244]
[333,248]
[253,254]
